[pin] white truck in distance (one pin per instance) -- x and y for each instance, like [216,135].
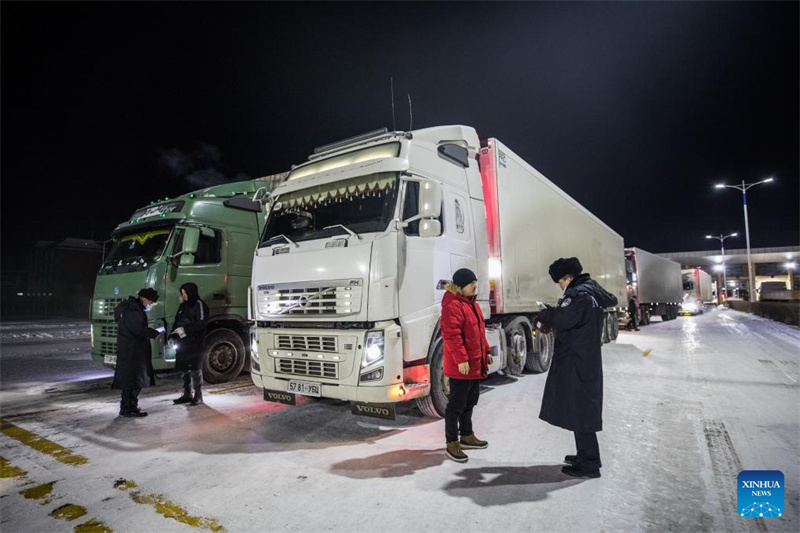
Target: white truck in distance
[656,284]
[349,275]
[696,291]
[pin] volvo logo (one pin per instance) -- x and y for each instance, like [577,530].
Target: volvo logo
[302,301]
[385,411]
[280,397]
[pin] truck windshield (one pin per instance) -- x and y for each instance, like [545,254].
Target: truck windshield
[135,251]
[364,204]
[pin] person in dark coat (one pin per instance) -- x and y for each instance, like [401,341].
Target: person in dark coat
[188,335]
[632,315]
[466,361]
[573,392]
[133,350]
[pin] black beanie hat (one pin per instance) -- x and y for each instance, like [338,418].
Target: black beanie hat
[569,266]
[464,277]
[149,293]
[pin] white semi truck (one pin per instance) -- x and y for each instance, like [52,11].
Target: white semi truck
[360,240]
[656,284]
[697,291]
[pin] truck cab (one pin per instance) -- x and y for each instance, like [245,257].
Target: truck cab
[205,237]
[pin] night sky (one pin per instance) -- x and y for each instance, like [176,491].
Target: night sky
[634,109]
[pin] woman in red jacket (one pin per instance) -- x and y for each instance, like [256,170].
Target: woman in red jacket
[466,361]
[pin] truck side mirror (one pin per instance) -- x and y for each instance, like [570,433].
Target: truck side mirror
[430,199]
[191,238]
[262,195]
[430,228]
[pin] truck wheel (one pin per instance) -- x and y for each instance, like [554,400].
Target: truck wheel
[518,334]
[224,356]
[539,361]
[435,403]
[605,337]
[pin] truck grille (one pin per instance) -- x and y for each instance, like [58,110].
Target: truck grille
[334,298]
[108,348]
[318,369]
[105,306]
[108,330]
[310,343]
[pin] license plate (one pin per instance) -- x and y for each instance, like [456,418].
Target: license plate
[304,388]
[110,359]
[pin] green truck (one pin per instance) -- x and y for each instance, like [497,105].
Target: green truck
[206,237]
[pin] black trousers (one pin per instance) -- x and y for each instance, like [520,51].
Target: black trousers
[588,449]
[192,378]
[463,398]
[129,401]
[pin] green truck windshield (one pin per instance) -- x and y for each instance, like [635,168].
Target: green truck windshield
[136,251]
[365,204]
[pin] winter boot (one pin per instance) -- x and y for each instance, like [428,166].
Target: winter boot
[134,413]
[186,397]
[471,442]
[571,459]
[580,470]
[455,452]
[198,397]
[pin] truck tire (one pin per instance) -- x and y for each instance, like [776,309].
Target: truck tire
[224,356]
[605,336]
[518,341]
[435,403]
[539,361]
[645,317]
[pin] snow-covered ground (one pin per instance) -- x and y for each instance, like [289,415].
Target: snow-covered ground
[688,404]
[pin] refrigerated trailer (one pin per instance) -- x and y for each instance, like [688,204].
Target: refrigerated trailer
[361,240]
[697,291]
[655,283]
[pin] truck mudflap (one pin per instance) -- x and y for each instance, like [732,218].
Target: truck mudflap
[386,411]
[287,398]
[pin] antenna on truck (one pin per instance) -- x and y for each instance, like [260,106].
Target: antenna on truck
[410,114]
[391,83]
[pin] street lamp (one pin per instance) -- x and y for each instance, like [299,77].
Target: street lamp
[721,238]
[743,187]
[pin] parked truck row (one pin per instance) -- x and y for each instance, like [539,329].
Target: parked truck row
[327,281]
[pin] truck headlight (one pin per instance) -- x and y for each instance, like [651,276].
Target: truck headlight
[254,345]
[373,349]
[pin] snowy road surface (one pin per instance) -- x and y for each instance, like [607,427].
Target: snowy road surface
[688,404]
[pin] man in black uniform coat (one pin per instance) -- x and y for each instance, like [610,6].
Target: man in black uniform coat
[133,350]
[573,392]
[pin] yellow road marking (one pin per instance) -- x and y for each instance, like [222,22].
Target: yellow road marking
[39,492]
[646,353]
[41,444]
[223,391]
[167,508]
[68,512]
[92,526]
[9,470]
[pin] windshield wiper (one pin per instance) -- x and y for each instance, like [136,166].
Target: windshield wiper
[281,236]
[348,230]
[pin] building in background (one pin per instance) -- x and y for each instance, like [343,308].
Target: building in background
[50,279]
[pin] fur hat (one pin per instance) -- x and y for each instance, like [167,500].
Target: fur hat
[150,294]
[569,266]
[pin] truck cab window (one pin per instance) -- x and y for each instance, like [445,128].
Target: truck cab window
[209,249]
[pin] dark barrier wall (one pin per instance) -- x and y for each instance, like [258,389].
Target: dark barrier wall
[786,312]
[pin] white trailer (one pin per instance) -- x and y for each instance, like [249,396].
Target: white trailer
[697,291]
[349,275]
[655,283]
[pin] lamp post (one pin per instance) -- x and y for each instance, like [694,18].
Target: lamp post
[743,187]
[721,238]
